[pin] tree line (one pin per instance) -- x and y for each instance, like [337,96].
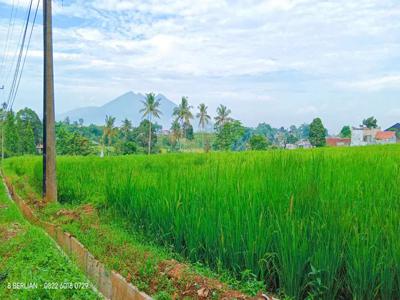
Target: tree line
[22,132]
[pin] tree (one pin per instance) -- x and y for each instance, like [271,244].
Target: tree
[126,147]
[150,110]
[27,117]
[126,128]
[109,130]
[183,114]
[345,132]
[3,115]
[370,123]
[71,143]
[292,138]
[317,133]
[204,119]
[228,135]
[304,131]
[188,129]
[175,133]
[222,116]
[10,135]
[141,136]
[266,130]
[258,142]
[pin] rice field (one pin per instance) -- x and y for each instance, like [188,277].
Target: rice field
[321,223]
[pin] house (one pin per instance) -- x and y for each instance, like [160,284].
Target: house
[291,146]
[304,144]
[338,142]
[395,127]
[386,137]
[362,136]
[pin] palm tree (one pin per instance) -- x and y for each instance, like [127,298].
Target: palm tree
[183,114]
[109,130]
[175,132]
[222,115]
[204,119]
[126,127]
[150,110]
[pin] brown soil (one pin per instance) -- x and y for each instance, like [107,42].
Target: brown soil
[199,287]
[10,231]
[70,215]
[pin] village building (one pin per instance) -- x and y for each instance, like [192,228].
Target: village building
[338,142]
[386,137]
[304,144]
[362,136]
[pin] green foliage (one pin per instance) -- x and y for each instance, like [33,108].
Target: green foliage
[345,132]
[228,135]
[370,122]
[188,131]
[141,136]
[258,142]
[222,116]
[317,133]
[27,117]
[150,111]
[29,256]
[126,147]
[71,143]
[11,137]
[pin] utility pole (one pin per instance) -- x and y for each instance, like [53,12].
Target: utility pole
[49,138]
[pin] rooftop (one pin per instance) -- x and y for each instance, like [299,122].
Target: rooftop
[385,135]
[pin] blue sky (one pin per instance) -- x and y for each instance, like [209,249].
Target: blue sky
[277,61]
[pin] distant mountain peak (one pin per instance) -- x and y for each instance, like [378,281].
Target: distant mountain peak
[124,106]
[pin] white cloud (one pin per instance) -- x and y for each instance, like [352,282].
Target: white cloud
[375,84]
[224,51]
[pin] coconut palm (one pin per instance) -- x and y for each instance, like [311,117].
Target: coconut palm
[183,114]
[204,119]
[150,110]
[126,127]
[222,115]
[175,132]
[109,130]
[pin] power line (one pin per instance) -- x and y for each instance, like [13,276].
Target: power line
[6,41]
[12,55]
[17,66]
[26,53]
[20,61]
[8,55]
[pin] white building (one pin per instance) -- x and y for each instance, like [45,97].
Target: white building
[362,136]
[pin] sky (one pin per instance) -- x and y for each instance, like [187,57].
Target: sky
[281,62]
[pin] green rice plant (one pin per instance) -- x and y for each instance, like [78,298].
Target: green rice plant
[320,223]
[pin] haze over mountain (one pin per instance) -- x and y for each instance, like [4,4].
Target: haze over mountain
[127,105]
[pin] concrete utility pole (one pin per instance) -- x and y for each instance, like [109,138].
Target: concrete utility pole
[49,137]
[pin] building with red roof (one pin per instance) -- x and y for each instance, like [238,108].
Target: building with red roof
[386,137]
[338,142]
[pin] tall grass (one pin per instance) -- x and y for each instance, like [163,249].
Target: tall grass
[315,223]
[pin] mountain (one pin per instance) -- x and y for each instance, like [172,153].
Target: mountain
[125,106]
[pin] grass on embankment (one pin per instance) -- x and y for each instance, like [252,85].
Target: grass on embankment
[29,257]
